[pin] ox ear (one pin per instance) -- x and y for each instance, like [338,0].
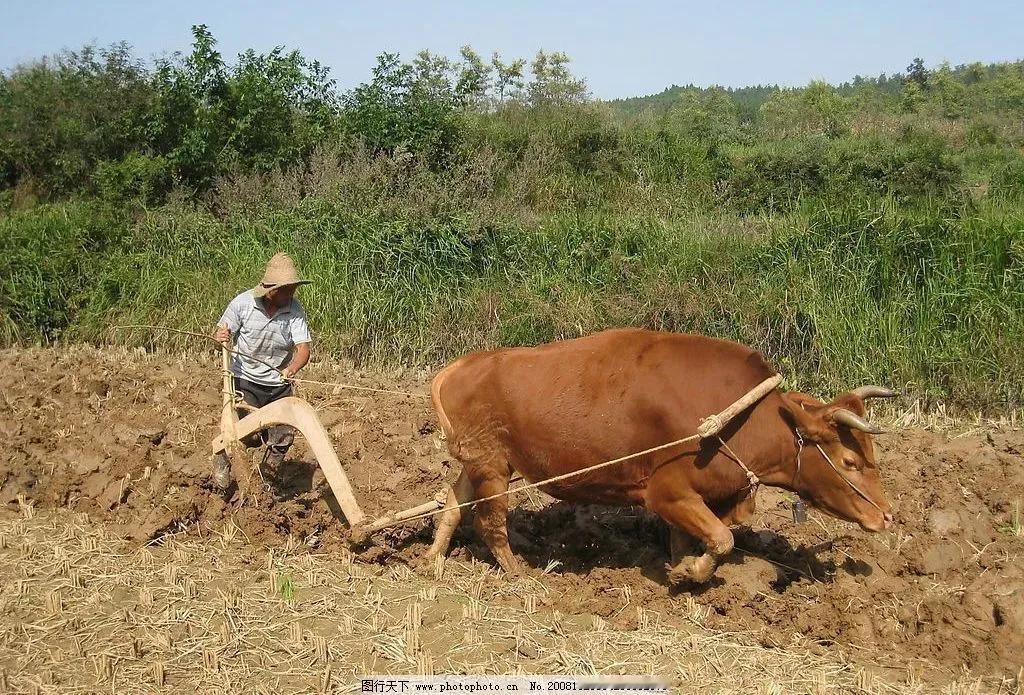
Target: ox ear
[810,416]
[803,399]
[851,401]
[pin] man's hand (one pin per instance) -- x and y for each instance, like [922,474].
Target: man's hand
[299,361]
[222,335]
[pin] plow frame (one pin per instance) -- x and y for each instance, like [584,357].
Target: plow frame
[294,412]
[297,413]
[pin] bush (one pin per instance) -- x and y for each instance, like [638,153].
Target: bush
[136,177]
[922,165]
[51,261]
[1008,180]
[779,175]
[60,117]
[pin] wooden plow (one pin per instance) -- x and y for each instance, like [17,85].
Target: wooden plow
[292,411]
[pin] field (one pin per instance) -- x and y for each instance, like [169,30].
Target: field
[124,571]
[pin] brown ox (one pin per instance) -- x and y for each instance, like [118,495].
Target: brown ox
[556,408]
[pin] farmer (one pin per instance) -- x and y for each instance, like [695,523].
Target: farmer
[267,323]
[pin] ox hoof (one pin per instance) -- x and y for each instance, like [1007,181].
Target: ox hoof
[694,571]
[513,573]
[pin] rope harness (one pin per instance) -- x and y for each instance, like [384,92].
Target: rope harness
[752,480]
[800,448]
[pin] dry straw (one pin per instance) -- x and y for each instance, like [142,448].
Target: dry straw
[196,619]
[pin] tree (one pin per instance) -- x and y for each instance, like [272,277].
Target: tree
[414,106]
[474,76]
[508,78]
[816,109]
[704,115]
[1004,90]
[917,73]
[267,111]
[61,116]
[948,92]
[824,109]
[552,82]
[912,98]
[973,73]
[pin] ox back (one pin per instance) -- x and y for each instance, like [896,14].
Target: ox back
[556,408]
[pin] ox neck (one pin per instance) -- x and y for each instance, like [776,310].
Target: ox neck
[783,470]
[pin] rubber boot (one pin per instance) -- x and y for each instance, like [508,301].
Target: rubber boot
[221,472]
[279,441]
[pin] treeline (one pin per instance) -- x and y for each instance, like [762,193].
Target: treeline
[887,92]
[866,232]
[100,122]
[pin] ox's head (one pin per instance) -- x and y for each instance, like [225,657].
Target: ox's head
[837,471]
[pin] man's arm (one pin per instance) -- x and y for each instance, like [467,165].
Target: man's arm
[300,334]
[299,360]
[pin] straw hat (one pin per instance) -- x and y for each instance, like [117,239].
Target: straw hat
[280,272]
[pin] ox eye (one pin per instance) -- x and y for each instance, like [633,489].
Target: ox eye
[852,463]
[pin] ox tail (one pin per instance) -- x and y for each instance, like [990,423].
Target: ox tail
[435,396]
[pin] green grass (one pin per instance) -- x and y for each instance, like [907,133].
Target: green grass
[926,297]
[286,587]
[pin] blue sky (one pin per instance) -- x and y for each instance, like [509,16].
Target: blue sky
[621,48]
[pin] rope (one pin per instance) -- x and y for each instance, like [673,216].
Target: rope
[209,338]
[521,488]
[847,480]
[752,480]
[233,351]
[800,448]
[359,388]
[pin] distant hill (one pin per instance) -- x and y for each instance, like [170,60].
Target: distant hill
[749,99]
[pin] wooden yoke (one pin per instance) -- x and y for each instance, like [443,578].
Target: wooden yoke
[299,414]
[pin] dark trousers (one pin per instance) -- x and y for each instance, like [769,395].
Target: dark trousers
[278,438]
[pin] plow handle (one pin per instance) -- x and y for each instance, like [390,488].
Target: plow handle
[228,416]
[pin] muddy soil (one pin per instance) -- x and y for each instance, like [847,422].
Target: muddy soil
[125,438]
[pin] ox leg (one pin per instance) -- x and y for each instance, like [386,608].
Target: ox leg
[691,515]
[447,522]
[491,517]
[680,544]
[739,513]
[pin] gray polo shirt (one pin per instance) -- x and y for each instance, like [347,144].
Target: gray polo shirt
[272,339]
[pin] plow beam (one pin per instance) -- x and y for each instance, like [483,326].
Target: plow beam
[299,414]
[362,533]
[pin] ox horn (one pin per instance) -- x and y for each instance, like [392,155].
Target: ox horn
[866,392]
[854,421]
